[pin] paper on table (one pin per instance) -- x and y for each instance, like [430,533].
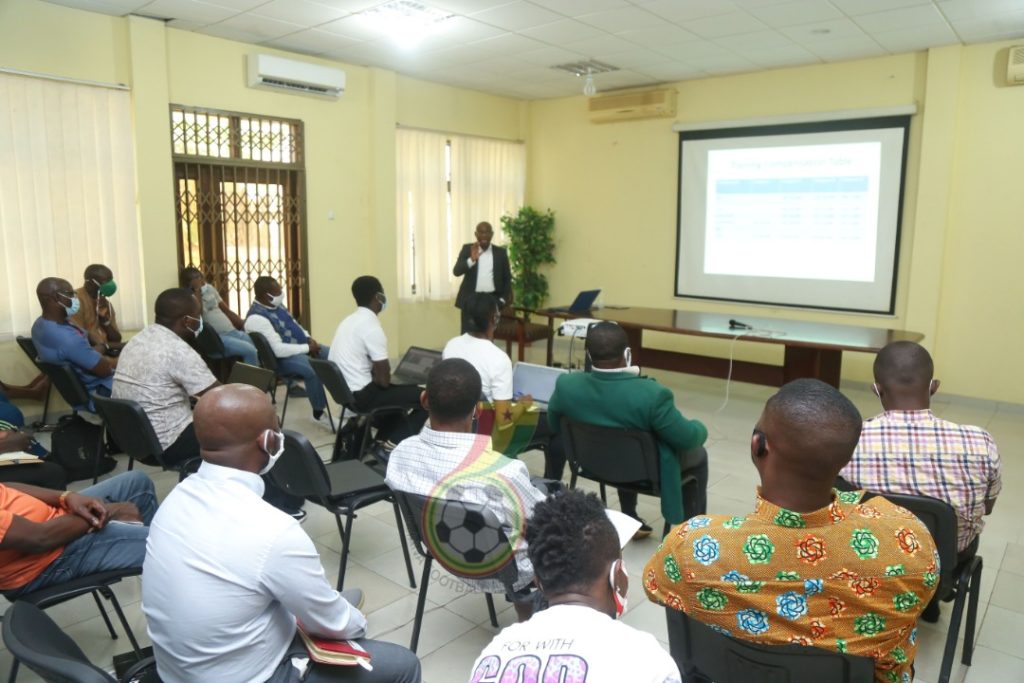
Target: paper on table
[625,526]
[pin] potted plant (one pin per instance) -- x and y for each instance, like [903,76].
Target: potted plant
[530,246]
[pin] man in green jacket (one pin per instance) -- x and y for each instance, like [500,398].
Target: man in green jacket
[614,395]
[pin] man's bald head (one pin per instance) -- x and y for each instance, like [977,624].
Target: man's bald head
[49,286]
[54,295]
[606,342]
[230,421]
[98,271]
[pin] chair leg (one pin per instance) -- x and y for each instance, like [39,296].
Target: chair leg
[420,602]
[101,450]
[604,496]
[103,610]
[346,537]
[490,610]
[972,614]
[405,545]
[946,670]
[46,402]
[14,671]
[124,624]
[284,410]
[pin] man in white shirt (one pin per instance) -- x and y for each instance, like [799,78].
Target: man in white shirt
[360,350]
[577,559]
[483,268]
[290,342]
[160,371]
[448,460]
[222,597]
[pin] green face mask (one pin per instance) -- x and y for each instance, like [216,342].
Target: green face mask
[107,289]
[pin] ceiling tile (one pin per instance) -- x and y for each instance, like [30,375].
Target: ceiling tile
[238,5]
[824,31]
[687,52]
[992,28]
[666,34]
[199,12]
[298,12]
[672,71]
[561,32]
[755,41]
[846,48]
[600,45]
[353,26]
[456,31]
[917,38]
[978,9]
[679,11]
[509,43]
[516,16]
[635,58]
[312,41]
[724,25]
[906,17]
[622,19]
[539,74]
[775,57]
[345,5]
[260,27]
[796,12]
[549,56]
[574,8]
[461,6]
[229,33]
[621,79]
[855,8]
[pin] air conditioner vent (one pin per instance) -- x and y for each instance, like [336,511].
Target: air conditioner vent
[277,73]
[627,106]
[1015,66]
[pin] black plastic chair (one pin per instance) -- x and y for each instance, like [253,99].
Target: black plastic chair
[262,379]
[211,347]
[962,579]
[269,361]
[34,638]
[131,429]
[624,458]
[29,347]
[68,384]
[341,487]
[703,654]
[98,584]
[427,517]
[334,382]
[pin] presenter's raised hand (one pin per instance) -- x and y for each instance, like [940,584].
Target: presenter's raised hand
[474,251]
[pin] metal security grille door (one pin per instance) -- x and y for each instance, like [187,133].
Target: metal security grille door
[239,186]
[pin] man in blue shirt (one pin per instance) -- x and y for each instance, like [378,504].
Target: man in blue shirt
[58,340]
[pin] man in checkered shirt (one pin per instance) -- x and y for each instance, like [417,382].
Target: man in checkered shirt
[907,449]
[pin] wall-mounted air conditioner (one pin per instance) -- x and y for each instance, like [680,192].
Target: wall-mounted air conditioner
[277,73]
[625,106]
[1015,66]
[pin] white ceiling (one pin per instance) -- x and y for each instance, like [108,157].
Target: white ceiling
[507,48]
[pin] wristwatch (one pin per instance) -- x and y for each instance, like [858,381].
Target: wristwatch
[63,500]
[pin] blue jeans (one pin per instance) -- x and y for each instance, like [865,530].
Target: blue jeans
[298,366]
[237,343]
[115,546]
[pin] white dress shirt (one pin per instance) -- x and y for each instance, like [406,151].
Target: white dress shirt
[358,343]
[493,364]
[281,348]
[422,463]
[225,578]
[485,271]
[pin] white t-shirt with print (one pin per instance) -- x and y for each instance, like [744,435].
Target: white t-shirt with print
[493,364]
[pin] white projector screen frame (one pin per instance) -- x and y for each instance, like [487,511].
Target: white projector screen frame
[741,267]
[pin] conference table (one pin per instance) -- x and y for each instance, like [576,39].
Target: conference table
[810,349]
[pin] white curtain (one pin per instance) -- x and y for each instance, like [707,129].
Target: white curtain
[488,181]
[67,195]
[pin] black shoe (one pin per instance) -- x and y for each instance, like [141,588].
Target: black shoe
[930,613]
[643,532]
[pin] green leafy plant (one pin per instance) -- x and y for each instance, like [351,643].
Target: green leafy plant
[531,245]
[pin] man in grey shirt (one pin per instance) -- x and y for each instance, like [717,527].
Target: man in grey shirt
[219,316]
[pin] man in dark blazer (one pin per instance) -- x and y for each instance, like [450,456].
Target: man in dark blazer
[486,269]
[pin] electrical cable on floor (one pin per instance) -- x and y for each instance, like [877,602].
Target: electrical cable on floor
[714,433]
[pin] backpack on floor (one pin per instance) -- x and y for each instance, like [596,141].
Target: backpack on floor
[75,445]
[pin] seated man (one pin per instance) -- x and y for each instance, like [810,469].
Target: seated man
[577,557]
[58,340]
[808,565]
[291,344]
[614,395]
[360,350]
[222,595]
[448,460]
[49,537]
[96,316]
[160,371]
[907,449]
[221,319]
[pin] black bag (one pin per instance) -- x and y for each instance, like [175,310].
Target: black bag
[348,440]
[76,445]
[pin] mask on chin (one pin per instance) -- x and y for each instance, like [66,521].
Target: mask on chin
[629,369]
[619,598]
[275,456]
[276,301]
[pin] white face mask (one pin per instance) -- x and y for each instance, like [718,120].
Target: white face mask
[620,599]
[273,457]
[276,301]
[630,369]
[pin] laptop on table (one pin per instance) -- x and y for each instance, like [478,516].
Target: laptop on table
[415,365]
[583,303]
[535,380]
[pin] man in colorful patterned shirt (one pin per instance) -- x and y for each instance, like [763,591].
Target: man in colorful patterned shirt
[907,449]
[809,565]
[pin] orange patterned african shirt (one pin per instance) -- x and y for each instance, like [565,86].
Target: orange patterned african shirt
[851,576]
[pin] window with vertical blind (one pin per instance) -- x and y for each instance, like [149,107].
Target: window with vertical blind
[446,184]
[239,184]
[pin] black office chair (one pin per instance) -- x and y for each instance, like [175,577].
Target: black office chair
[961,579]
[435,519]
[32,637]
[624,458]
[342,487]
[704,655]
[98,584]
[334,382]
[131,429]
[269,361]
[29,347]
[211,347]
[68,384]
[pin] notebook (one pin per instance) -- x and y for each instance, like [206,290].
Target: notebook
[536,380]
[415,365]
[336,652]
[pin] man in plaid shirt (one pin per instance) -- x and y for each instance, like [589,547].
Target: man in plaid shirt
[907,449]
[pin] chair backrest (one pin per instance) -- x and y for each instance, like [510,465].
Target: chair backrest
[38,643]
[698,648]
[29,347]
[300,471]
[334,381]
[612,455]
[940,518]
[263,350]
[210,343]
[67,382]
[130,427]
[465,538]
[261,378]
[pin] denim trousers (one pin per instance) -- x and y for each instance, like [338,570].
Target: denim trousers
[237,343]
[299,366]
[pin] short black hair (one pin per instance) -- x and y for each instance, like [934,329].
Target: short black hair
[904,364]
[95,271]
[187,275]
[570,541]
[174,303]
[820,425]
[481,308]
[364,288]
[453,389]
[263,284]
[606,341]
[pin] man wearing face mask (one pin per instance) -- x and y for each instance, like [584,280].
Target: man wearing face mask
[614,395]
[96,315]
[577,557]
[219,316]
[159,370]
[58,340]
[483,268]
[290,342]
[222,596]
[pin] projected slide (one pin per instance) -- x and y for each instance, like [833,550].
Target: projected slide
[793,215]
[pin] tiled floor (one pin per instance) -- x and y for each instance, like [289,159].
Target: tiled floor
[456,626]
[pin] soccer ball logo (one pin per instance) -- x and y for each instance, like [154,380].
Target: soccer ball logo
[461,539]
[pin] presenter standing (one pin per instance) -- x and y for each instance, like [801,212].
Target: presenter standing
[483,268]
